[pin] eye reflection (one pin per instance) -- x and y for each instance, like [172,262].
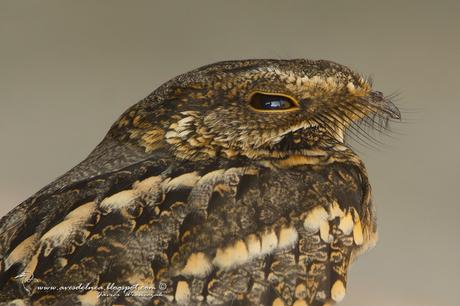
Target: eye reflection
[267,102]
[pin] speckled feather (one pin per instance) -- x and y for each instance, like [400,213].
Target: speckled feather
[194,189]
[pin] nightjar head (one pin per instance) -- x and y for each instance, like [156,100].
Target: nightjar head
[254,108]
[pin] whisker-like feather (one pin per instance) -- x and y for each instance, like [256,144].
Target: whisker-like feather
[352,134]
[358,128]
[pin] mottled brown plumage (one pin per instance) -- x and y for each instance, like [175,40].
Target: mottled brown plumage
[229,185]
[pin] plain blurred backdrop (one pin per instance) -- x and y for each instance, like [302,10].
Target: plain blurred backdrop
[68,69]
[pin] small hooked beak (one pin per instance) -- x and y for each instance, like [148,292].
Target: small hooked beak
[385,105]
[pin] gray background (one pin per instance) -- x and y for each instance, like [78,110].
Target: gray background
[69,68]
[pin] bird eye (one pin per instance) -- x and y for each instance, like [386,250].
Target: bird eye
[269,102]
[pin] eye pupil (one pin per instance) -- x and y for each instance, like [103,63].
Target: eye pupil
[262,101]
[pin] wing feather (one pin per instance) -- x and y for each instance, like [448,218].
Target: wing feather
[210,232]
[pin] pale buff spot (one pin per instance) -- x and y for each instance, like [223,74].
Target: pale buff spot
[351,88]
[184,180]
[287,237]
[324,231]
[338,291]
[278,302]
[335,211]
[186,120]
[171,134]
[22,252]
[253,245]
[298,160]
[147,185]
[82,212]
[346,224]
[182,295]
[315,217]
[63,231]
[233,255]
[300,291]
[300,303]
[90,298]
[197,264]
[269,242]
[358,233]
[119,200]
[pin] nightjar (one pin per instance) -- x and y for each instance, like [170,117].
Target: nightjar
[231,184]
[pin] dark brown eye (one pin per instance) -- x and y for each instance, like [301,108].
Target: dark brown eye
[269,102]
